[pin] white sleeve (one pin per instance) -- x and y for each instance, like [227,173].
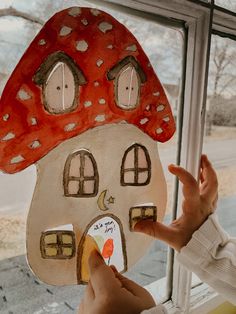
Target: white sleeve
[159,309]
[211,254]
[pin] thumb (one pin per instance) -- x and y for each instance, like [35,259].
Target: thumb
[130,285]
[95,261]
[136,290]
[102,277]
[155,229]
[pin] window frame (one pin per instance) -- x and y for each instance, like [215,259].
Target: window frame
[59,245]
[136,169]
[200,20]
[67,178]
[42,75]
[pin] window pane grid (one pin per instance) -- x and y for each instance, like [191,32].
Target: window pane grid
[61,246]
[86,159]
[137,150]
[136,169]
[72,178]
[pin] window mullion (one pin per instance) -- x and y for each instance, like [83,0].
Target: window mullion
[224,23]
[197,59]
[197,20]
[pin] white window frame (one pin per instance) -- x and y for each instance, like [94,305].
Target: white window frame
[200,21]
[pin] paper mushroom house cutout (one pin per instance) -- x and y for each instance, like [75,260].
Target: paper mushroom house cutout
[85,106]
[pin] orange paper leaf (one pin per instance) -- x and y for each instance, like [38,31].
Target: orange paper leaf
[108,248]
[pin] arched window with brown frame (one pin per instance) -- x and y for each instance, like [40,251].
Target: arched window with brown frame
[81,175]
[136,166]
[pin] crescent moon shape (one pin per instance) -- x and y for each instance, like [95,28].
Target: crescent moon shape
[101,201]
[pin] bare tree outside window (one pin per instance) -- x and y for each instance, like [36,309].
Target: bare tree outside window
[221,84]
[220,140]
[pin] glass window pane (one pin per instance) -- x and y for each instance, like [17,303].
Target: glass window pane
[163,46]
[220,128]
[220,137]
[227,4]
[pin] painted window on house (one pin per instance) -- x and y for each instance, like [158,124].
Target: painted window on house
[128,77]
[81,175]
[136,166]
[60,78]
[57,244]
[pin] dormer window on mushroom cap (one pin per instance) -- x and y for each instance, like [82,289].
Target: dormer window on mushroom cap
[128,77]
[84,69]
[60,79]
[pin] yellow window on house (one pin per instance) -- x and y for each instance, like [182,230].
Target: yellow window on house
[57,244]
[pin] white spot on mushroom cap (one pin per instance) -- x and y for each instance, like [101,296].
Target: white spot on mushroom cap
[156,94]
[70,126]
[104,27]
[159,130]
[6,117]
[166,119]
[81,45]
[149,65]
[100,118]
[42,42]
[74,11]
[132,48]
[160,108]
[96,84]
[23,95]
[17,159]
[95,12]
[87,103]
[143,121]
[102,101]
[34,121]
[35,144]
[110,46]
[8,136]
[148,107]
[99,62]
[84,22]
[65,30]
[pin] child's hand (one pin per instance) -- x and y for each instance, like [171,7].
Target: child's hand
[109,292]
[199,202]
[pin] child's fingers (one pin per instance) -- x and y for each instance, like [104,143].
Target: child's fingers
[114,269]
[81,308]
[190,185]
[210,182]
[131,286]
[127,283]
[205,162]
[89,293]
[102,278]
[155,229]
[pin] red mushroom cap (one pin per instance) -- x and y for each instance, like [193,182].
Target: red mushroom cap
[95,43]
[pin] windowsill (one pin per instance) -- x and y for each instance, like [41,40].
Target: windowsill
[157,290]
[203,298]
